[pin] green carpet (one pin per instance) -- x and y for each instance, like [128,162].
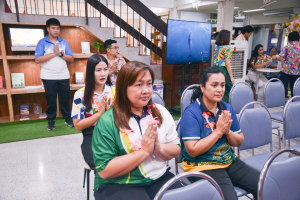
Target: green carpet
[32,129]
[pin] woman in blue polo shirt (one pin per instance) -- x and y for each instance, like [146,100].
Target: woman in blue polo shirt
[209,128]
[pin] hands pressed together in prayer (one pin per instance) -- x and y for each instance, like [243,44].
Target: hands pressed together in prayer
[104,106]
[150,142]
[224,123]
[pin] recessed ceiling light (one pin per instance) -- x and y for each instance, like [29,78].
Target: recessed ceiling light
[254,10]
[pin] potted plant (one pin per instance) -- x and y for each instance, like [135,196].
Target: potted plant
[98,46]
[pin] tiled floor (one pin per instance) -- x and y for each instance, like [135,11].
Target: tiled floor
[51,168]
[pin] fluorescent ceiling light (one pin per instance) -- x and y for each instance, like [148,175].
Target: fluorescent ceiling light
[254,10]
[234,8]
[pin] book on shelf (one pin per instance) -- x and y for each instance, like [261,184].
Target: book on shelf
[85,47]
[24,111]
[18,80]
[79,77]
[1,82]
[37,108]
[43,116]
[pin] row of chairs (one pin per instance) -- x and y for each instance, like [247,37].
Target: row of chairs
[277,181]
[255,136]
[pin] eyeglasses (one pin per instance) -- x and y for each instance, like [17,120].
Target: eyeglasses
[115,48]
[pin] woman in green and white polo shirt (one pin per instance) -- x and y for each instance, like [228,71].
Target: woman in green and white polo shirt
[133,140]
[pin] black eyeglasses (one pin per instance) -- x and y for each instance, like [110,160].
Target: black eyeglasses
[115,48]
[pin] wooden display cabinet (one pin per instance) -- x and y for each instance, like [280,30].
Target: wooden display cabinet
[23,62]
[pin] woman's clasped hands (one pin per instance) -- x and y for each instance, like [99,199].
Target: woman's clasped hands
[224,123]
[150,143]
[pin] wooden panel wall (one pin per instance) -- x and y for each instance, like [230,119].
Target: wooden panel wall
[2,74]
[74,36]
[30,69]
[3,108]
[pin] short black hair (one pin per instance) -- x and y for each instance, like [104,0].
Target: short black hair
[273,47]
[52,21]
[108,43]
[215,34]
[293,36]
[248,29]
[223,38]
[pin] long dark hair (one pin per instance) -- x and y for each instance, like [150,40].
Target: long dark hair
[127,77]
[90,79]
[255,53]
[204,76]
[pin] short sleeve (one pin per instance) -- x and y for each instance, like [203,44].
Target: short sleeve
[171,133]
[283,51]
[39,50]
[228,53]
[103,144]
[235,126]
[189,126]
[68,50]
[77,106]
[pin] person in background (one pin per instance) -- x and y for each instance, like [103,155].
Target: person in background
[53,53]
[259,60]
[115,62]
[133,140]
[273,65]
[290,54]
[215,35]
[222,60]
[209,129]
[246,33]
[91,102]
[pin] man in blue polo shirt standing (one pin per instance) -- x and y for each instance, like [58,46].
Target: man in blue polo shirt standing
[53,53]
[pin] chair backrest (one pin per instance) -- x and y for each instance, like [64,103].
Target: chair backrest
[240,95]
[203,189]
[156,98]
[186,97]
[179,158]
[256,126]
[291,119]
[280,180]
[274,93]
[297,87]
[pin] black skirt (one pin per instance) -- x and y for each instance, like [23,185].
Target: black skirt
[86,146]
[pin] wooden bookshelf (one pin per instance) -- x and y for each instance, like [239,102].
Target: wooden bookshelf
[3,92]
[23,62]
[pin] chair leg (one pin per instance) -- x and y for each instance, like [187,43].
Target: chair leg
[88,184]
[84,178]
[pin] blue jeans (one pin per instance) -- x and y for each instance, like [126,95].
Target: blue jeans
[286,78]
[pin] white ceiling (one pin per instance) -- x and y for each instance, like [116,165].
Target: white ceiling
[245,5]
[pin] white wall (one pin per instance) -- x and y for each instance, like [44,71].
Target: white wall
[194,16]
[260,37]
[159,3]
[261,19]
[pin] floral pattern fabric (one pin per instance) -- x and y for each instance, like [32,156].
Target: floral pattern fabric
[121,62]
[220,54]
[291,54]
[260,60]
[272,74]
[78,108]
